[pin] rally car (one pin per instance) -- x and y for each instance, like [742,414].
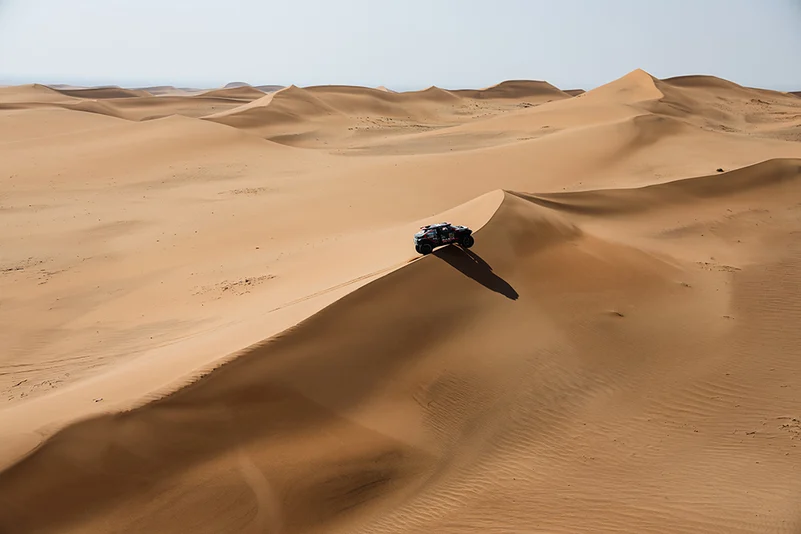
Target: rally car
[434,235]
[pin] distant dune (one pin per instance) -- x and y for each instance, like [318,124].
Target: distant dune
[61,86]
[169,90]
[236,84]
[516,89]
[238,92]
[269,88]
[292,115]
[105,92]
[213,317]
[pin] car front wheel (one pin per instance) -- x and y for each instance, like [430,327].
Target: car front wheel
[467,241]
[425,249]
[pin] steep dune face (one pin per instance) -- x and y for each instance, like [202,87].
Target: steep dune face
[543,334]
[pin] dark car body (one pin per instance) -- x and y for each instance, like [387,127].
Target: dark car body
[439,234]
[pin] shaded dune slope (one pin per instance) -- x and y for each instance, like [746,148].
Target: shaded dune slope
[770,174]
[105,92]
[154,107]
[443,392]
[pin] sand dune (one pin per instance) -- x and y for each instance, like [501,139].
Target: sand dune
[339,116]
[237,93]
[156,107]
[473,405]
[215,320]
[105,92]
[269,88]
[231,85]
[22,96]
[160,90]
[129,107]
[517,89]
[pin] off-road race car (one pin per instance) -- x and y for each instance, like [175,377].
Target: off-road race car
[444,233]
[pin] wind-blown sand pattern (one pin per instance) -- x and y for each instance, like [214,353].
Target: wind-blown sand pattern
[214,320]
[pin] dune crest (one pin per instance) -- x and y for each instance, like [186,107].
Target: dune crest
[636,86]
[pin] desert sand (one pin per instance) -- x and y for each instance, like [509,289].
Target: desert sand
[213,318]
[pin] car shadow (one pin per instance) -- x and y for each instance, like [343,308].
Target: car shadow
[473,266]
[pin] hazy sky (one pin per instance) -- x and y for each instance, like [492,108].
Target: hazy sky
[402,44]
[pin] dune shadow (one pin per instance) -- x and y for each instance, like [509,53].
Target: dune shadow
[473,266]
